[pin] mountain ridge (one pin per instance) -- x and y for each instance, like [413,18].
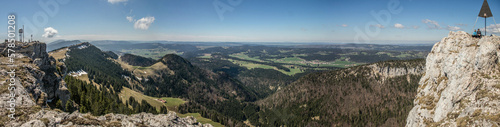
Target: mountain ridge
[135,60]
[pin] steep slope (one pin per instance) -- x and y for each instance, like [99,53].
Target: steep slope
[98,64]
[112,54]
[461,83]
[214,95]
[41,79]
[135,60]
[378,94]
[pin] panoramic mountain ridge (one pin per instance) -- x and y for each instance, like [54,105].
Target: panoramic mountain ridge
[42,93]
[461,83]
[377,94]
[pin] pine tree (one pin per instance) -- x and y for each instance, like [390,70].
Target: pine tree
[69,106]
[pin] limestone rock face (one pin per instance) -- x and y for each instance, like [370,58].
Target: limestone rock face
[388,71]
[461,85]
[43,81]
[22,98]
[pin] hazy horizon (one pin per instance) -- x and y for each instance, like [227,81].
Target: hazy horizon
[297,21]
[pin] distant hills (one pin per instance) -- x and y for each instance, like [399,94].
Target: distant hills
[112,45]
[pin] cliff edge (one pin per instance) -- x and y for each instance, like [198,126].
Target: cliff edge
[461,84]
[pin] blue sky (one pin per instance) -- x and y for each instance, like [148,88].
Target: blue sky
[419,21]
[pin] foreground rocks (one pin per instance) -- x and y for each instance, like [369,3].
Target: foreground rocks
[461,85]
[51,118]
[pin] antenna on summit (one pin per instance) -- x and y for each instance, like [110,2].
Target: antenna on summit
[485,12]
[21,35]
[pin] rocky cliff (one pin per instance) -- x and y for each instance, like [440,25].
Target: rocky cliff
[461,85]
[40,77]
[395,68]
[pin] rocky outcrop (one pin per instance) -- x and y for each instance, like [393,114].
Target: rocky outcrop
[461,85]
[23,98]
[50,118]
[43,81]
[393,69]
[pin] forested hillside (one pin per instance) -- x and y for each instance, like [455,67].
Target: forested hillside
[216,94]
[380,94]
[99,66]
[135,60]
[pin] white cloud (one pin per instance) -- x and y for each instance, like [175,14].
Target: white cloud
[116,1]
[49,32]
[453,28]
[344,25]
[416,27]
[435,25]
[130,19]
[492,28]
[378,25]
[431,24]
[144,23]
[399,26]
